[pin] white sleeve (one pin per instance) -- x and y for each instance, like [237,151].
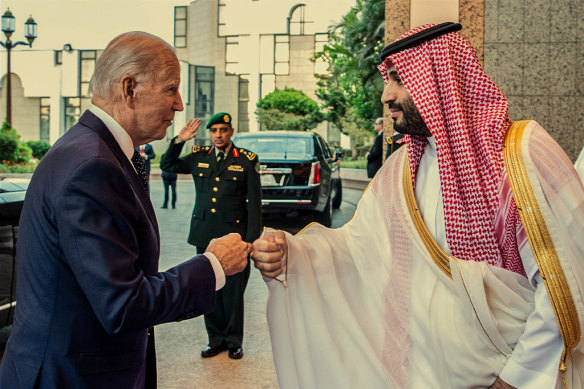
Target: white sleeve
[218,269]
[535,360]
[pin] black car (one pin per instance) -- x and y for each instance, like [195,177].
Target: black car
[12,193]
[298,172]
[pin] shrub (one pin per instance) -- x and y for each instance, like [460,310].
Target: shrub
[288,109]
[11,148]
[9,140]
[39,148]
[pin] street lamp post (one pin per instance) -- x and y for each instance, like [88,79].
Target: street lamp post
[30,28]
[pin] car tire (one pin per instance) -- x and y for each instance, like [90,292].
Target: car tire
[326,216]
[338,199]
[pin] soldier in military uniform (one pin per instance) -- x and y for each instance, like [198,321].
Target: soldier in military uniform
[228,199]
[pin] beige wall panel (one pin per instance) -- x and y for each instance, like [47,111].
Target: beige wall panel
[25,110]
[433,11]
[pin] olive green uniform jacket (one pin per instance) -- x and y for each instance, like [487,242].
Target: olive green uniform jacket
[228,199]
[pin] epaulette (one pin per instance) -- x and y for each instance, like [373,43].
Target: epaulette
[248,154]
[197,149]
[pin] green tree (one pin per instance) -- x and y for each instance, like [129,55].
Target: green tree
[288,109]
[352,56]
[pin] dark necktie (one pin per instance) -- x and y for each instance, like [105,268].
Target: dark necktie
[138,162]
[220,159]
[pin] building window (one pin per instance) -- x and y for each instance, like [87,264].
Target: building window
[296,20]
[44,134]
[72,106]
[282,54]
[87,59]
[58,57]
[243,103]
[320,65]
[180,26]
[204,92]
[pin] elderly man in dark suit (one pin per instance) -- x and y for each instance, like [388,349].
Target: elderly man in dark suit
[89,288]
[228,187]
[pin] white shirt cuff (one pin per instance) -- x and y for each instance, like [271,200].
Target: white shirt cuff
[218,269]
[519,377]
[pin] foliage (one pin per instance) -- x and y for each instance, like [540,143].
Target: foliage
[9,140]
[360,163]
[23,153]
[14,153]
[352,55]
[10,167]
[39,148]
[358,132]
[288,109]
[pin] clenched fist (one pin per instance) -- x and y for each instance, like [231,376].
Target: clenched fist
[231,252]
[268,253]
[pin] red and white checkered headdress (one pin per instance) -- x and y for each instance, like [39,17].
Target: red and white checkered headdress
[468,116]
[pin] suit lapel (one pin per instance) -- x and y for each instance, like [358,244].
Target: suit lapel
[93,122]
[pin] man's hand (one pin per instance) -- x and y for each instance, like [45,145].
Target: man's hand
[268,254]
[231,252]
[189,131]
[500,384]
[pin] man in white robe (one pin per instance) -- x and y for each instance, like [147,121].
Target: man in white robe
[463,265]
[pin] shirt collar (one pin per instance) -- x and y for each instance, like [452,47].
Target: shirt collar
[226,152]
[121,136]
[431,148]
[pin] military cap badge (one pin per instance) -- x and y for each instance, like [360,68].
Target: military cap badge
[219,118]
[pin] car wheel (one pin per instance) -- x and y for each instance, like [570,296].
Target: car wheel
[338,198]
[326,216]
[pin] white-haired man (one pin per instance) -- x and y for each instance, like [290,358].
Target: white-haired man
[463,266]
[88,283]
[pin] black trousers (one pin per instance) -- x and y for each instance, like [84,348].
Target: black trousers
[172,184]
[225,324]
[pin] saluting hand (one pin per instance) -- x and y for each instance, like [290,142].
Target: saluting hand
[268,253]
[231,251]
[189,131]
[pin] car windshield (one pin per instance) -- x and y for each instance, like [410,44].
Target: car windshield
[285,147]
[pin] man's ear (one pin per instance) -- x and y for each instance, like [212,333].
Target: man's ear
[128,83]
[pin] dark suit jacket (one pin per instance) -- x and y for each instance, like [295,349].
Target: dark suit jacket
[88,284]
[149,151]
[374,159]
[228,199]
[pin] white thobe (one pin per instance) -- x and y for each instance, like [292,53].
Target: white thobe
[535,360]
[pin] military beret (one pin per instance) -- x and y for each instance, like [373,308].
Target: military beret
[419,37]
[219,118]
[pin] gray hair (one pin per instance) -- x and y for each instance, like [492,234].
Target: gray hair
[379,120]
[134,53]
